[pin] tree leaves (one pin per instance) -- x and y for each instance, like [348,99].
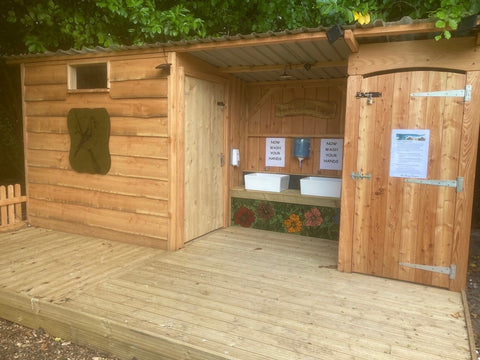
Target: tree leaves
[39,25]
[47,25]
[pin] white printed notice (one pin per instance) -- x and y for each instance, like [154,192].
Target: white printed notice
[409,154]
[331,154]
[275,152]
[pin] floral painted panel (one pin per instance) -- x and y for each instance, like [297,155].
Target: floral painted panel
[316,221]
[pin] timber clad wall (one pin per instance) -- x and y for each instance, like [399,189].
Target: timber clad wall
[130,203]
[237,116]
[263,123]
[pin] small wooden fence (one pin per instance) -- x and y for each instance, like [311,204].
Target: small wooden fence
[11,207]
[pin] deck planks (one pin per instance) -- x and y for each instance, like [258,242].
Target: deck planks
[232,294]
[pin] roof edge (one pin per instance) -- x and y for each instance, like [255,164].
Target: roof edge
[379,28]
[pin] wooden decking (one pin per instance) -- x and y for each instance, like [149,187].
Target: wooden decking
[233,294]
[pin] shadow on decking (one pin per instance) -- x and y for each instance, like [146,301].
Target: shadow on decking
[232,294]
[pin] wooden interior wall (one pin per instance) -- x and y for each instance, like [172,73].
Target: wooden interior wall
[128,204]
[237,117]
[262,123]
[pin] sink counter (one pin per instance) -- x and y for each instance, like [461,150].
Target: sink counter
[287,196]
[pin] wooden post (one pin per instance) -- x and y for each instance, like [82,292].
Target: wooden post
[467,168]
[176,161]
[25,139]
[354,84]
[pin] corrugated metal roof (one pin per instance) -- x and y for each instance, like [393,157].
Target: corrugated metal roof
[278,58]
[252,60]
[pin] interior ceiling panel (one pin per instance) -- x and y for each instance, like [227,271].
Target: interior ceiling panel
[300,60]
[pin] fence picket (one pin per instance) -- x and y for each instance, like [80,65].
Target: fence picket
[11,207]
[11,214]
[3,209]
[18,206]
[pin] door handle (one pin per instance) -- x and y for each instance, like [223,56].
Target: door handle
[360,176]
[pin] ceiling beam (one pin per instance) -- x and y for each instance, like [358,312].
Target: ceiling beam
[350,40]
[262,68]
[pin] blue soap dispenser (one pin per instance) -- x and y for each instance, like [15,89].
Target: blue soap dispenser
[301,149]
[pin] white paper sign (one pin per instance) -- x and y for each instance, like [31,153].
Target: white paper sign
[409,154]
[331,154]
[275,152]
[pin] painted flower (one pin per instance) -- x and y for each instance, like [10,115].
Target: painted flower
[313,217]
[265,211]
[293,224]
[244,217]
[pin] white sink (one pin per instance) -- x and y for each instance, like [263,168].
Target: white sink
[266,182]
[321,186]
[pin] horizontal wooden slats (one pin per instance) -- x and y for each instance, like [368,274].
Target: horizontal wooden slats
[118,125]
[130,203]
[151,168]
[36,74]
[139,146]
[136,69]
[47,124]
[45,92]
[139,126]
[118,145]
[46,141]
[154,189]
[120,165]
[151,88]
[98,232]
[147,108]
[131,223]
[99,199]
[232,294]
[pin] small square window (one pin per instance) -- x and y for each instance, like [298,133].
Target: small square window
[88,76]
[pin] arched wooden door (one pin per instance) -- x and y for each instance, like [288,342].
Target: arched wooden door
[402,229]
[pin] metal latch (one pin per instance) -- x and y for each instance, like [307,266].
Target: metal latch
[360,176]
[458,184]
[451,270]
[368,95]
[465,93]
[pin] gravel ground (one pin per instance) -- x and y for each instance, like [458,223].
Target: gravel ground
[19,342]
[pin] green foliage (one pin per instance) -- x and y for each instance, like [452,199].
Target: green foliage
[39,25]
[447,13]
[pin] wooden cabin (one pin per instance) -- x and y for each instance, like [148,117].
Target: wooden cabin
[175,111]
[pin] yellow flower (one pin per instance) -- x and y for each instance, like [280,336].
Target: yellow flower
[293,224]
[361,18]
